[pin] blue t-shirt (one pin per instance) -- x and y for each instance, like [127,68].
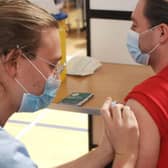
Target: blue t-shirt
[13,153]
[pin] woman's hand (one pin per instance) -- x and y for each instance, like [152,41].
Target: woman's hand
[121,128]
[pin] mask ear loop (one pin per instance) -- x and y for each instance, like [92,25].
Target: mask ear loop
[55,75]
[150,52]
[157,45]
[34,66]
[18,47]
[21,86]
[25,90]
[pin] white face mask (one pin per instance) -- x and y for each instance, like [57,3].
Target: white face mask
[135,51]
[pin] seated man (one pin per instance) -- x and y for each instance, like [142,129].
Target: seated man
[148,44]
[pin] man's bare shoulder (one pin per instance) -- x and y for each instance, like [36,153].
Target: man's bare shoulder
[149,136]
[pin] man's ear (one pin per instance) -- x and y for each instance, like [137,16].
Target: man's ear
[163,33]
[10,62]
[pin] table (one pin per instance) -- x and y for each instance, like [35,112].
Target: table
[114,80]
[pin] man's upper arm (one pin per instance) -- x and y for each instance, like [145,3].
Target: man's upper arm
[149,136]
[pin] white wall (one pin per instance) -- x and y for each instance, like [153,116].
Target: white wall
[108,40]
[122,5]
[48,5]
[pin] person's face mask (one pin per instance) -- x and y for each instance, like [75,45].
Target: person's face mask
[133,48]
[32,103]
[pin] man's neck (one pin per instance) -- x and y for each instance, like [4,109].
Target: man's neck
[159,60]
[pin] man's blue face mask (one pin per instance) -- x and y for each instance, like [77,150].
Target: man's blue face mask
[133,47]
[32,103]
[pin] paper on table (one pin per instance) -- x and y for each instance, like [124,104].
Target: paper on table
[82,65]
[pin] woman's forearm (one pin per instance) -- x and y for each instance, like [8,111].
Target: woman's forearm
[94,159]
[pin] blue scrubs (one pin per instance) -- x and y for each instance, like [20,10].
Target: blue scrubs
[13,153]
